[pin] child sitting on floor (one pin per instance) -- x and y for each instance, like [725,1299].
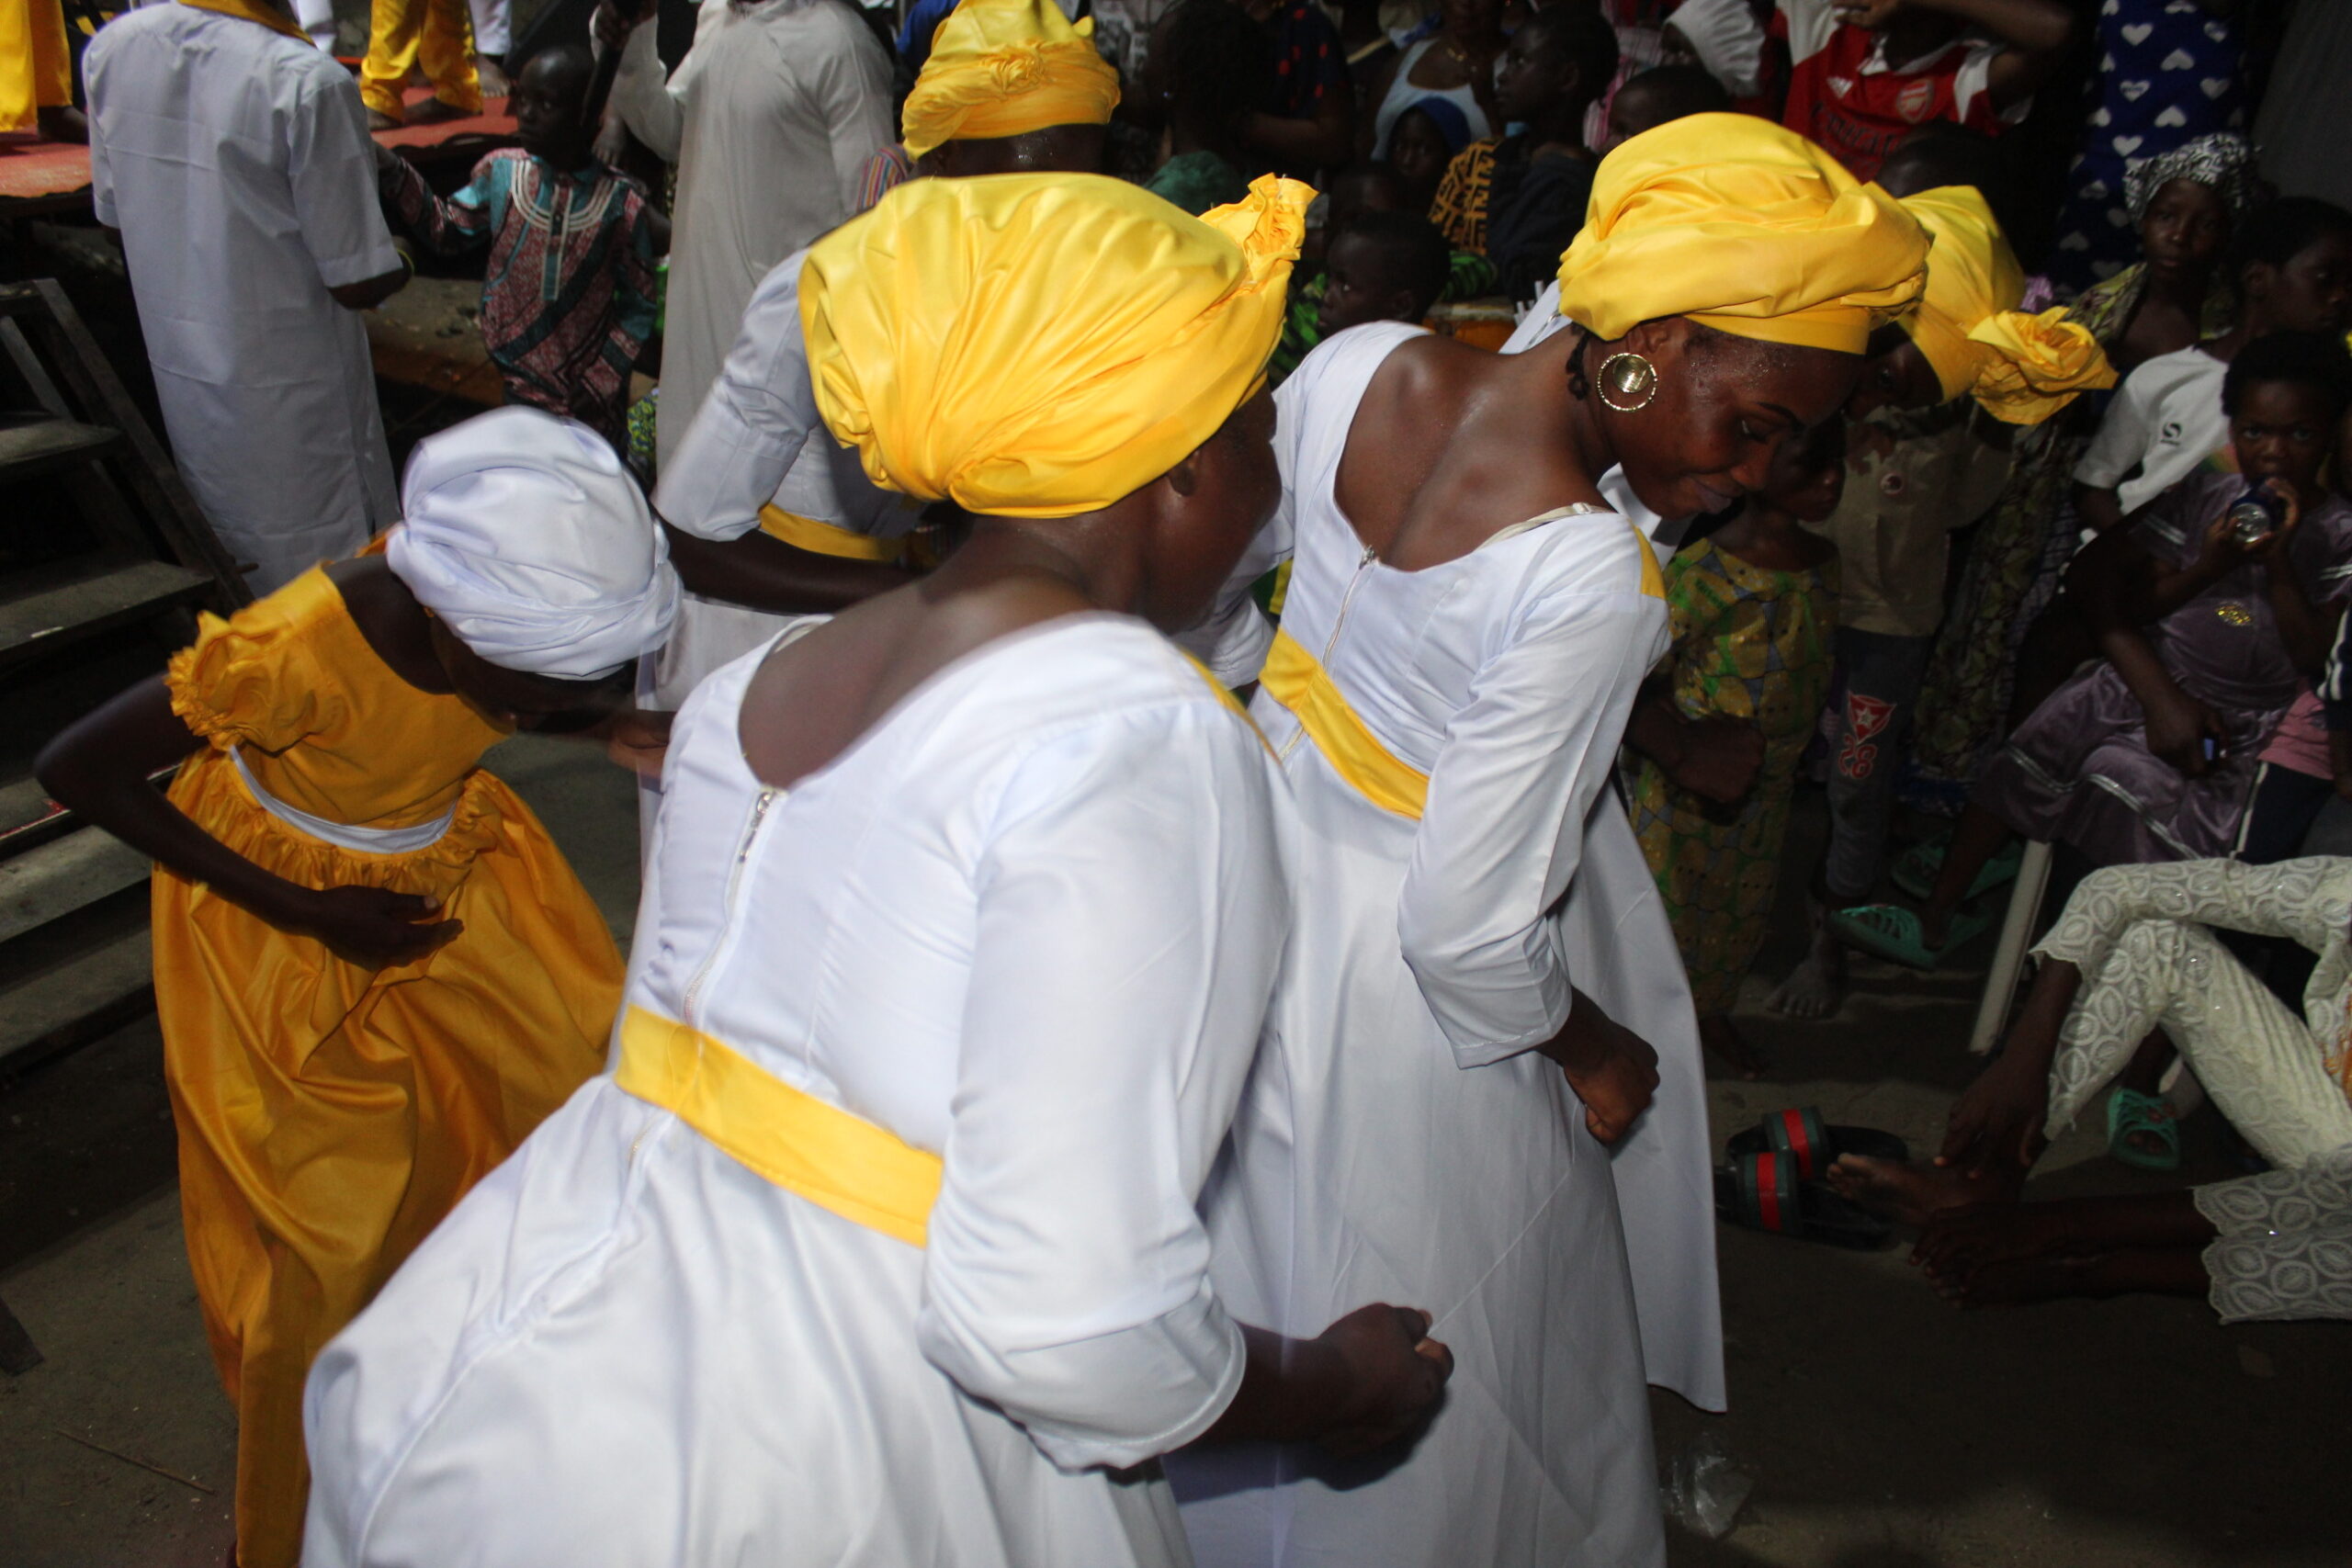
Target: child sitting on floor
[568,302]
[2149,754]
[1720,727]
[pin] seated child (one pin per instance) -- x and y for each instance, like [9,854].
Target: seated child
[1719,729]
[1862,75]
[2137,949]
[1422,145]
[568,302]
[1388,261]
[2149,754]
[375,971]
[1659,94]
[1519,199]
[1383,266]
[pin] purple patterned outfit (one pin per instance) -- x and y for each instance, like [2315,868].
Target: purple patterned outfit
[2079,769]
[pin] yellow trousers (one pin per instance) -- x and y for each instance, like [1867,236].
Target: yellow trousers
[402,32]
[36,70]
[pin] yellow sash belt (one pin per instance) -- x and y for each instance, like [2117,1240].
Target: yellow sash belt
[824,1154]
[1293,678]
[826,539]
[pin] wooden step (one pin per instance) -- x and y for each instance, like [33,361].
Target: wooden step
[27,817]
[36,622]
[58,878]
[73,1002]
[38,445]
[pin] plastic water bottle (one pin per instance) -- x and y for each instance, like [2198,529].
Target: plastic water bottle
[2254,517]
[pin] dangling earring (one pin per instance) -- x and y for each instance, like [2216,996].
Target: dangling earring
[1628,381]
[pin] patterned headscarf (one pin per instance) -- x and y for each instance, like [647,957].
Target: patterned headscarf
[2222,161]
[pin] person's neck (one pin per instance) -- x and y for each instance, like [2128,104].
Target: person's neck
[1187,134]
[1489,42]
[393,621]
[1560,125]
[1091,556]
[1588,440]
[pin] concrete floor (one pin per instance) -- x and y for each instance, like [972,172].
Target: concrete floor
[1883,1429]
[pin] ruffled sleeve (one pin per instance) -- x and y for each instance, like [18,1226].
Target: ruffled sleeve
[248,681]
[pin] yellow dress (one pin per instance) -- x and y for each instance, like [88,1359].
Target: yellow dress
[330,1115]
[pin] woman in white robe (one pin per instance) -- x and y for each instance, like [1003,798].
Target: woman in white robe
[1466,627]
[879,1245]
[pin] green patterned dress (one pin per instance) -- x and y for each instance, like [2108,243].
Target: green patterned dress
[1749,644]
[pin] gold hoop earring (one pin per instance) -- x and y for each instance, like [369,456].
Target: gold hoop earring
[1628,381]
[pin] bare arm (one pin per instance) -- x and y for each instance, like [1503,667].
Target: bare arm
[1364,1383]
[1716,758]
[765,573]
[2099,506]
[371,292]
[1326,140]
[2115,584]
[100,768]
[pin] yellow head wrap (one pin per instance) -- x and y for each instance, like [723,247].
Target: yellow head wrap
[2021,368]
[1039,346]
[1746,227]
[1002,67]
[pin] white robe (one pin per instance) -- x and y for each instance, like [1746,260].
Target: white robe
[1616,938]
[749,446]
[1031,923]
[1401,1141]
[236,161]
[770,118]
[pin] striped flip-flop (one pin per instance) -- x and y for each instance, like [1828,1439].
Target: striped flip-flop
[1764,1192]
[1812,1143]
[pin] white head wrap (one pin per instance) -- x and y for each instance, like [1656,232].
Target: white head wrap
[1727,39]
[528,537]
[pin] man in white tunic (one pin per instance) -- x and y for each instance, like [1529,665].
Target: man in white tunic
[767,524]
[233,156]
[770,118]
[879,1245]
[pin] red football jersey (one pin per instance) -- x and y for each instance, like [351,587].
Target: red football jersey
[1860,115]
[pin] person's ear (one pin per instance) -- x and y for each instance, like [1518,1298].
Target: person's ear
[2255,279]
[1184,479]
[1400,306]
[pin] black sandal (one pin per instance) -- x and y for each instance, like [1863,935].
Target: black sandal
[1811,1144]
[1764,1192]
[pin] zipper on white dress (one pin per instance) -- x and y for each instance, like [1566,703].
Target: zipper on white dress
[1365,563]
[719,943]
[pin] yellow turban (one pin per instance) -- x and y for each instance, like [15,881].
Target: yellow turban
[1039,346]
[1002,67]
[1745,226]
[2021,368]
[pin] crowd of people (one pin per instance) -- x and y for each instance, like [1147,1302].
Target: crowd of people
[1261,807]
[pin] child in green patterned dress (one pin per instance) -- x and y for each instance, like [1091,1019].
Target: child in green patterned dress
[1715,742]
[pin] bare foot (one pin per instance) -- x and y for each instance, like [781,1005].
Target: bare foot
[1909,1194]
[494,79]
[2023,1282]
[432,111]
[1958,1242]
[1719,1034]
[1816,989]
[62,122]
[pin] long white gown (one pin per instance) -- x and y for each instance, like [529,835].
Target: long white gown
[236,161]
[1400,1142]
[1030,923]
[1614,931]
[770,118]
